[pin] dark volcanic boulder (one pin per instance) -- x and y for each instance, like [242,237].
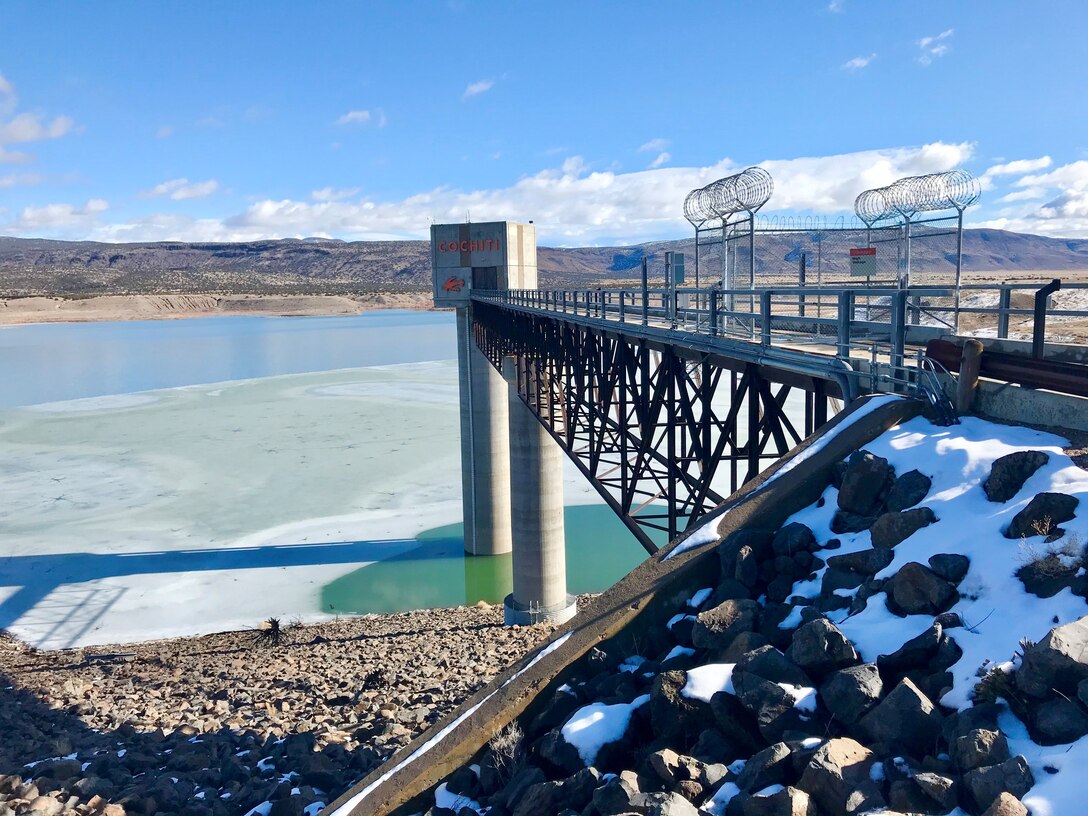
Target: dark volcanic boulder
[979,748]
[672,715]
[950,566]
[837,771]
[793,538]
[1006,805]
[1043,513]
[1059,661]
[770,664]
[662,804]
[863,483]
[819,647]
[556,753]
[984,785]
[917,590]
[1058,721]
[908,490]
[905,718]
[787,801]
[846,522]
[767,767]
[866,562]
[543,797]
[758,540]
[913,655]
[850,693]
[891,529]
[1048,576]
[769,703]
[1008,474]
[716,628]
[614,796]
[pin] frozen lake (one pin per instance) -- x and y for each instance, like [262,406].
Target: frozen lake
[178,477]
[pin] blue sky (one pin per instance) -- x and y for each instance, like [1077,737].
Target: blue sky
[240,120]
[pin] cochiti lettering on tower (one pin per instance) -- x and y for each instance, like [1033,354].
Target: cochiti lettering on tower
[483,245]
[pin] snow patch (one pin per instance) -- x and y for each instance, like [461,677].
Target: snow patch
[593,726]
[445,798]
[699,598]
[678,651]
[705,681]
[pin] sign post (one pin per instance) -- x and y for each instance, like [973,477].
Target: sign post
[863,262]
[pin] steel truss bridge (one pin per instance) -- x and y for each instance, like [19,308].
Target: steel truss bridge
[668,400]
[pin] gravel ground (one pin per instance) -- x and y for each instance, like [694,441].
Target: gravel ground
[229,722]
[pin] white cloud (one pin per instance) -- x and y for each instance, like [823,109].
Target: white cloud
[332,194]
[181,189]
[1015,168]
[858,62]
[1064,215]
[13,156]
[31,127]
[572,204]
[164,132]
[7,95]
[477,88]
[60,218]
[25,127]
[19,180]
[1074,176]
[355,117]
[654,146]
[932,48]
[1023,195]
[836,6]
[662,158]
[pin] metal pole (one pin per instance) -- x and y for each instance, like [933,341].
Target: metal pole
[645,294]
[1038,329]
[846,316]
[801,281]
[898,338]
[959,268]
[751,250]
[1004,304]
[714,312]
[696,260]
[765,316]
[905,282]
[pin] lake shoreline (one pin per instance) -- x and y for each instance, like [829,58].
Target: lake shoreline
[111,308]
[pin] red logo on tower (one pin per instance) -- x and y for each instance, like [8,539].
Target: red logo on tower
[453,284]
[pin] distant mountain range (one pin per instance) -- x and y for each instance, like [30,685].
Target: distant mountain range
[30,266]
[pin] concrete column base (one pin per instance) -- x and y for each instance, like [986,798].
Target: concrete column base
[513,615]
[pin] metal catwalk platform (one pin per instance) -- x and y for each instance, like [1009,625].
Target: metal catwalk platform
[669,400]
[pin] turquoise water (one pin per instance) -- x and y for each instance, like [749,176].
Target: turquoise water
[176,477]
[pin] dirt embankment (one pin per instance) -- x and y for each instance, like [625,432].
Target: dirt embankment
[14,311]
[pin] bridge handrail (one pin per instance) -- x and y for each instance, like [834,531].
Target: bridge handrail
[853,323]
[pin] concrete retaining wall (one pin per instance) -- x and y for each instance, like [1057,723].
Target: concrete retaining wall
[792,483]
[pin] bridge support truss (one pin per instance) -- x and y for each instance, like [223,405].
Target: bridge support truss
[663,432]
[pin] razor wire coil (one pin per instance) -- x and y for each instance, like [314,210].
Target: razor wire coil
[746,191]
[953,189]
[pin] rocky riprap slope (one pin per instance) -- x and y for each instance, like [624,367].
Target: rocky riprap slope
[223,724]
[830,668]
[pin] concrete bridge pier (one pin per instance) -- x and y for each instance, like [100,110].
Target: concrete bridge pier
[485,447]
[536,502]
